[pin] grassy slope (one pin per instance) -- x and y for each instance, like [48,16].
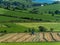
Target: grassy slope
[4,18]
[35,16]
[38,16]
[50,7]
[11,27]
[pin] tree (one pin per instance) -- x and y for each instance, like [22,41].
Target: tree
[1,31]
[50,12]
[35,11]
[45,4]
[42,29]
[5,31]
[25,31]
[57,12]
[56,2]
[51,29]
[28,3]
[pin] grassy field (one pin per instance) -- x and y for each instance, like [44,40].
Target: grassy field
[41,43]
[34,16]
[11,27]
[49,8]
[55,26]
[21,27]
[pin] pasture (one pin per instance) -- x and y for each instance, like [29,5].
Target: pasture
[48,25]
[22,27]
[39,43]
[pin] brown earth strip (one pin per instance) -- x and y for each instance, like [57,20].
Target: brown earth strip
[56,37]
[48,37]
[41,37]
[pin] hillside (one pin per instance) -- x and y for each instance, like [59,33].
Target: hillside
[25,15]
[22,22]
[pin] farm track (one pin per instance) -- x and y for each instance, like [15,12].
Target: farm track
[26,37]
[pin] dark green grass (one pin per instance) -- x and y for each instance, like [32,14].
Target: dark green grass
[3,18]
[12,28]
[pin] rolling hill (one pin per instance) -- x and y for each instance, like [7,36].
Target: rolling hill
[22,14]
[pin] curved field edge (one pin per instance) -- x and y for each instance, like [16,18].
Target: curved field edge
[47,25]
[38,43]
[22,27]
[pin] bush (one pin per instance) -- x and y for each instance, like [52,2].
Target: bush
[42,29]
[3,31]
[57,12]
[25,31]
[51,29]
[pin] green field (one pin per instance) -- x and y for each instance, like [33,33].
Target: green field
[21,27]
[55,26]
[11,27]
[41,43]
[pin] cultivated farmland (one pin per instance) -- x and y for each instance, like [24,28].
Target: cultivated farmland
[26,37]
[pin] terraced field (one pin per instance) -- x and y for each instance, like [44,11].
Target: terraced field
[26,37]
[48,25]
[22,27]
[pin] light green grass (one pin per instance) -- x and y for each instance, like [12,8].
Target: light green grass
[41,43]
[55,26]
[22,27]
